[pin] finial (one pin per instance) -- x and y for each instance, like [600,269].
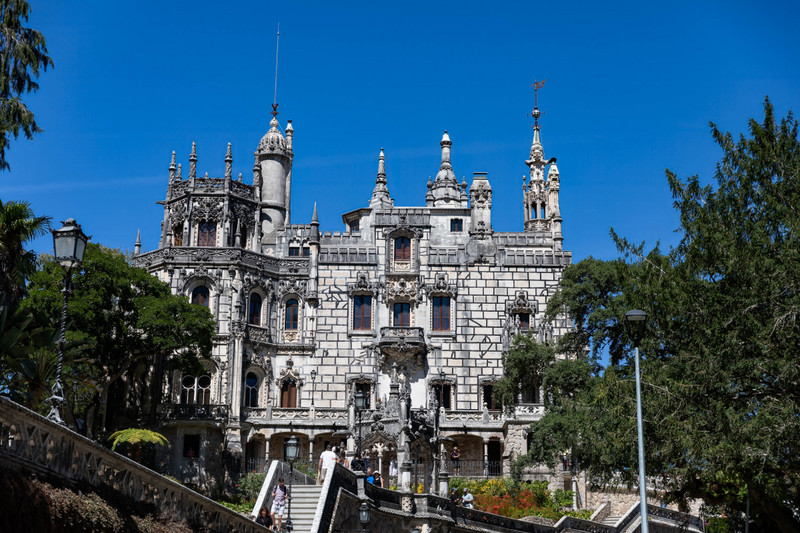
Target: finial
[193,161]
[240,177]
[137,247]
[172,168]
[172,162]
[536,113]
[382,165]
[180,173]
[314,216]
[274,112]
[228,163]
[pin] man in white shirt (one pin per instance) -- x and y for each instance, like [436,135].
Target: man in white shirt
[327,460]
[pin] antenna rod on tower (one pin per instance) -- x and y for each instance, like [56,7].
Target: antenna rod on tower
[275,97]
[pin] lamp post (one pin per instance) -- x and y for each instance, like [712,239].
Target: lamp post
[292,452]
[313,385]
[363,516]
[69,244]
[359,401]
[635,323]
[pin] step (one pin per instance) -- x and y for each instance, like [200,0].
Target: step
[610,520]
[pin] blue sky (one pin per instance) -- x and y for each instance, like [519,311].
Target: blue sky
[631,88]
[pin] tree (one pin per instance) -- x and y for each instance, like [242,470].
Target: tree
[135,438]
[119,316]
[18,225]
[721,376]
[24,54]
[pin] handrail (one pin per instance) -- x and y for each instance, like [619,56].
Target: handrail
[29,441]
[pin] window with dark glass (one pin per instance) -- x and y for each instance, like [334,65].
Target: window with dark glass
[366,390]
[191,446]
[441,313]
[196,390]
[291,315]
[251,390]
[200,296]
[294,251]
[306,252]
[289,393]
[441,391]
[456,225]
[362,312]
[402,249]
[207,233]
[488,398]
[524,321]
[530,394]
[355,225]
[402,315]
[255,310]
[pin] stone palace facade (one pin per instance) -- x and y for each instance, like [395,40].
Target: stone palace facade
[412,307]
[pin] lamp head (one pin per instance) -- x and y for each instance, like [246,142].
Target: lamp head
[363,513]
[359,399]
[69,244]
[635,325]
[292,449]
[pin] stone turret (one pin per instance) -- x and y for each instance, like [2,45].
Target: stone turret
[380,194]
[274,162]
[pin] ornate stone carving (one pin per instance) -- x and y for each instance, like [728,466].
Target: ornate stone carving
[207,209]
[521,304]
[289,372]
[363,285]
[403,289]
[292,286]
[177,213]
[441,286]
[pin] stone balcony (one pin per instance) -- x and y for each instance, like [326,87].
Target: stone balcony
[404,346]
[174,411]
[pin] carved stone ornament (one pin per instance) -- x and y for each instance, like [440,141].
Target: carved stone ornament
[289,372]
[244,213]
[363,285]
[292,286]
[177,213]
[521,304]
[261,361]
[207,209]
[481,196]
[402,289]
[441,286]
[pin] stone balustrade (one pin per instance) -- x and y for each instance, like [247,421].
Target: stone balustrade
[31,443]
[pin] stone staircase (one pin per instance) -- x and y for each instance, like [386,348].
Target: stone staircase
[304,506]
[612,520]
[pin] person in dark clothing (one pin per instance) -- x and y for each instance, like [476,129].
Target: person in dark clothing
[357,464]
[377,481]
[263,518]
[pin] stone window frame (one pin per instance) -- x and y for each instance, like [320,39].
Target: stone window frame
[439,381]
[414,236]
[196,281]
[442,287]
[262,394]
[354,380]
[522,304]
[456,225]
[284,303]
[289,372]
[362,287]
[261,320]
[216,234]
[300,245]
[491,382]
[210,369]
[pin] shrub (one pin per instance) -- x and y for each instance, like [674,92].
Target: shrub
[74,511]
[249,486]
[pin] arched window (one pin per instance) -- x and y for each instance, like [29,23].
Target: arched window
[255,310]
[402,249]
[251,390]
[289,393]
[196,390]
[291,314]
[177,235]
[200,296]
[207,233]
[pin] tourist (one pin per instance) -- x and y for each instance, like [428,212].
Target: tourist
[327,460]
[370,477]
[377,480]
[467,499]
[357,464]
[454,499]
[263,518]
[279,496]
[455,458]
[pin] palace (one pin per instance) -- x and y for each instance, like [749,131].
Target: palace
[407,310]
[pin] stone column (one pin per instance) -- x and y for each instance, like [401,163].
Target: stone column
[405,476]
[444,484]
[485,457]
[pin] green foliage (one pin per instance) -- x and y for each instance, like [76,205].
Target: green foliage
[524,364]
[23,54]
[249,486]
[18,226]
[76,511]
[244,507]
[119,315]
[719,366]
[137,437]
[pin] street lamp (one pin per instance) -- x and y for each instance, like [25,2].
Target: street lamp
[292,452]
[635,323]
[363,516]
[69,244]
[313,385]
[360,402]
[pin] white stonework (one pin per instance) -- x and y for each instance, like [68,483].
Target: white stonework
[407,304]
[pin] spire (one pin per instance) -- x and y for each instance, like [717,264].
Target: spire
[193,161]
[228,163]
[314,216]
[137,247]
[172,168]
[380,194]
[314,237]
[289,135]
[179,176]
[445,187]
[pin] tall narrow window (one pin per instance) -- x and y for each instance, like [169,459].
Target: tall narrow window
[456,225]
[207,233]
[441,313]
[402,315]
[306,251]
[289,393]
[524,321]
[255,310]
[200,296]
[251,390]
[441,391]
[402,249]
[362,312]
[488,398]
[291,314]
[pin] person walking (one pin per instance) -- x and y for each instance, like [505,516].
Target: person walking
[264,518]
[377,481]
[279,496]
[467,500]
[327,460]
